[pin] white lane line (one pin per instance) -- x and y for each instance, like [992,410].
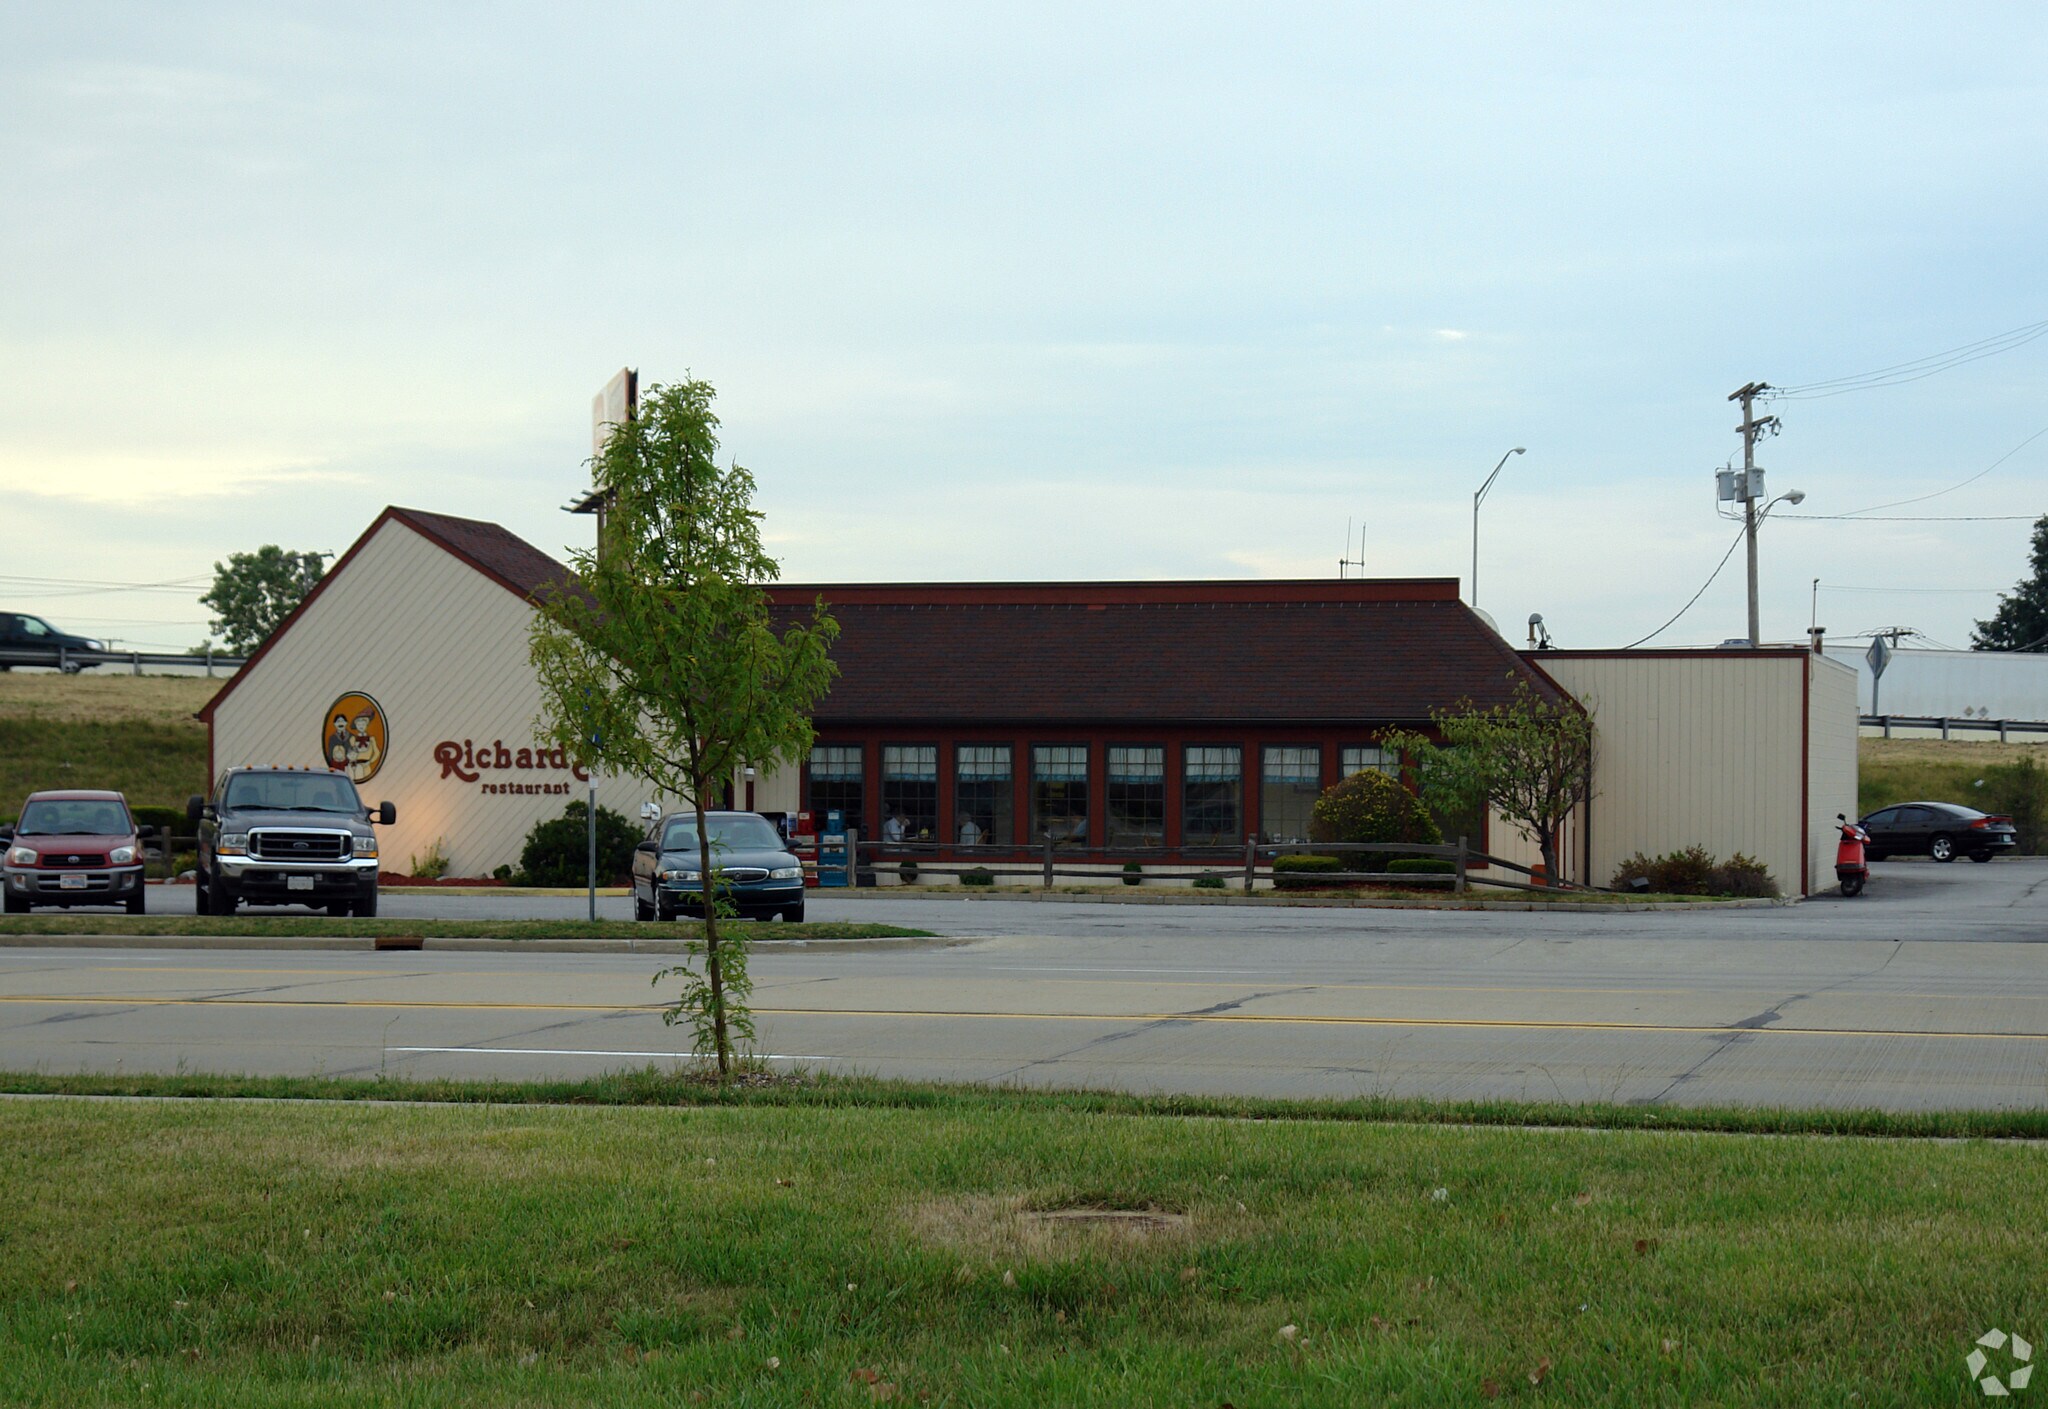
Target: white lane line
[580,1052]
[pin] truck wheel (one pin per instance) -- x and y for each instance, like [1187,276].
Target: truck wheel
[1943,847]
[366,908]
[223,903]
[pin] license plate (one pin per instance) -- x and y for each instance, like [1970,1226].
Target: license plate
[298,882]
[71,883]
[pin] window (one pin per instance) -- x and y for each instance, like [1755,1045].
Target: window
[1212,797]
[910,792]
[981,795]
[1059,794]
[838,780]
[1379,760]
[1135,796]
[1290,781]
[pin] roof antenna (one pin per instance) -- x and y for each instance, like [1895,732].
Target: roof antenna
[1539,634]
[1348,561]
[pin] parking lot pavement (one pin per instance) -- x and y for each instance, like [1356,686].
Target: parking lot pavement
[2005,901]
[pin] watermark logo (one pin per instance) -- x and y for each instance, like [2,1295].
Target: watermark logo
[2017,1355]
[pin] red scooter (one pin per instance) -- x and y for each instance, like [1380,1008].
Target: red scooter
[1852,869]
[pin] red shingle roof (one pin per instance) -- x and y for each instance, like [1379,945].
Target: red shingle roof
[1198,652]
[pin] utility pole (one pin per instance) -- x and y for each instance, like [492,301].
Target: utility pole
[1751,428]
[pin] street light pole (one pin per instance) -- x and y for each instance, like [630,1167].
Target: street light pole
[1478,498]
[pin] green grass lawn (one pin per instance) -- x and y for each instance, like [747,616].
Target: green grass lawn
[135,734]
[202,1253]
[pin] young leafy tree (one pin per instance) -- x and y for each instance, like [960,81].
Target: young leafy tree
[253,593]
[2021,621]
[1530,760]
[661,659]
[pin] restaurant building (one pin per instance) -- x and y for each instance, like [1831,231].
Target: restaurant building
[1130,721]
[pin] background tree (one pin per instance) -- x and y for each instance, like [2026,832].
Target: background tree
[661,659]
[2021,621]
[253,592]
[1530,760]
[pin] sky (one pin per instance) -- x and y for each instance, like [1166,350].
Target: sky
[1039,292]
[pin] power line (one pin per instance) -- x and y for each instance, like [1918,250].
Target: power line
[1911,518]
[1732,546]
[1916,370]
[1956,591]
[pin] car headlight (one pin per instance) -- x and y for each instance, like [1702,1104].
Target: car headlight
[121,856]
[679,873]
[366,846]
[786,873]
[21,856]
[232,844]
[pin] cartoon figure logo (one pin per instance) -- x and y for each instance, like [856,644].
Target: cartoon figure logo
[356,739]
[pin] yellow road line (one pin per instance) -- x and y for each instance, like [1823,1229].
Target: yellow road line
[1224,984]
[1245,1019]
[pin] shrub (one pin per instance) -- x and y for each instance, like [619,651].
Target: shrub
[556,851]
[1422,866]
[907,873]
[1307,872]
[2018,790]
[1694,871]
[432,866]
[1371,807]
[979,876]
[166,820]
[1134,873]
[1743,876]
[1208,883]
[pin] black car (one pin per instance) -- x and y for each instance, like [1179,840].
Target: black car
[29,640]
[287,836]
[755,868]
[1942,830]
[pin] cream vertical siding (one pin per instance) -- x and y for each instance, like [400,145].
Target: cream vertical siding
[1701,747]
[1831,777]
[442,649]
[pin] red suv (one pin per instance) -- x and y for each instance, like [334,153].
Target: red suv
[72,848]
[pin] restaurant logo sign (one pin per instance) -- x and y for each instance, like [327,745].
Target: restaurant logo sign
[469,761]
[356,740]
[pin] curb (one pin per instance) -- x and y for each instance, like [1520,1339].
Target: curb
[366,944]
[1277,902]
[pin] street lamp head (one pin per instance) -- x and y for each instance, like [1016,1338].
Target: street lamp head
[1795,496]
[1518,450]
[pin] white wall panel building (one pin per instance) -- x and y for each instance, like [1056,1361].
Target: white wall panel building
[1952,684]
[1733,750]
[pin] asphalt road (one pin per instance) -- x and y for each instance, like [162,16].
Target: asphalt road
[1930,991]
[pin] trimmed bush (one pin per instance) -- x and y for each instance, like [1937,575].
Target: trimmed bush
[907,873]
[979,876]
[166,820]
[1208,883]
[1307,872]
[1422,866]
[1371,807]
[1134,873]
[1694,871]
[557,852]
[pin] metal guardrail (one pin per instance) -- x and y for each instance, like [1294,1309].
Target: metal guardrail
[69,661]
[1232,864]
[2001,727]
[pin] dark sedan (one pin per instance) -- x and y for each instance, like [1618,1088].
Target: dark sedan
[755,869]
[29,640]
[1942,830]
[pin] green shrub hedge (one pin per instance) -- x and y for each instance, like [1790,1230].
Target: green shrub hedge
[979,876]
[1694,871]
[1371,807]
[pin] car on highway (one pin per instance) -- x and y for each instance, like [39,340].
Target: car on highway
[1943,830]
[71,847]
[754,866]
[29,640]
[287,836]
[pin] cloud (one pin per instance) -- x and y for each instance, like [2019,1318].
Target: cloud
[131,479]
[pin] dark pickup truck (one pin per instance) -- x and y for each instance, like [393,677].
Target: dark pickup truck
[287,836]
